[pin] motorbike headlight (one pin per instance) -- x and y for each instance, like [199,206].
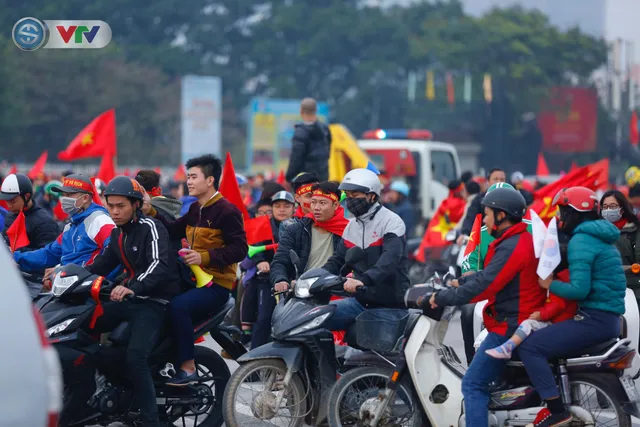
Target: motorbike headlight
[60,327]
[312,324]
[61,284]
[302,287]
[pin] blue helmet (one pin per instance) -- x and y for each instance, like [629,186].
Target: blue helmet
[401,187]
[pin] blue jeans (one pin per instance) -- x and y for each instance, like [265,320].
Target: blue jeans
[483,370]
[560,339]
[195,304]
[345,315]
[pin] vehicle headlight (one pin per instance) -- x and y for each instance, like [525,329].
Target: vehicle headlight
[61,284]
[312,324]
[302,287]
[60,327]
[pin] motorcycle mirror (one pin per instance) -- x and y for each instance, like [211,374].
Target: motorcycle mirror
[295,260]
[352,258]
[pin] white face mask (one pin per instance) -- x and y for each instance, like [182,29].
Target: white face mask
[69,205]
[612,215]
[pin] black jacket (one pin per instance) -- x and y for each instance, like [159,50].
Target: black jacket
[42,229]
[310,150]
[475,208]
[629,246]
[295,234]
[143,248]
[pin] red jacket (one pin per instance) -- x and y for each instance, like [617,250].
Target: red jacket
[557,309]
[509,282]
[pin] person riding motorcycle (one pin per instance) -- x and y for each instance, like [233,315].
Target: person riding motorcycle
[510,284]
[383,278]
[83,238]
[597,282]
[17,192]
[142,245]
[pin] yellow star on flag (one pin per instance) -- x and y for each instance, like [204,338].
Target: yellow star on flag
[472,237]
[87,139]
[547,212]
[443,226]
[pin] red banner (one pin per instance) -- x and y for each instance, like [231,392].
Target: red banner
[568,119]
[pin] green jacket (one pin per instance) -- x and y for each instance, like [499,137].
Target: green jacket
[475,260]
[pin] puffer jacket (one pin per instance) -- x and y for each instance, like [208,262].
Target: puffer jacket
[595,268]
[629,246]
[310,150]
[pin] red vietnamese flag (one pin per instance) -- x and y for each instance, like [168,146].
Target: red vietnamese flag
[445,219]
[157,170]
[38,166]
[634,132]
[107,169]
[601,170]
[474,238]
[542,169]
[58,213]
[281,178]
[229,188]
[95,140]
[258,230]
[180,175]
[17,233]
[574,166]
[14,169]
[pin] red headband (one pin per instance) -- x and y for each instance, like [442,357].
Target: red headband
[304,189]
[325,194]
[78,185]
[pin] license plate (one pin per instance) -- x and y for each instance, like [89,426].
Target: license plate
[630,388]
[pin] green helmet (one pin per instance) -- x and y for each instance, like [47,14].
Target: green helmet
[50,185]
[499,185]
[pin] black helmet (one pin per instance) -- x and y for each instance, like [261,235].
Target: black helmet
[124,186]
[507,200]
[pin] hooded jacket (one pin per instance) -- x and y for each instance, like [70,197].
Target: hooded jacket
[310,150]
[384,270]
[82,239]
[595,267]
[165,205]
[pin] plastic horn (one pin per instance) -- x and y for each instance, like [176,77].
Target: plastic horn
[202,278]
[343,196]
[254,250]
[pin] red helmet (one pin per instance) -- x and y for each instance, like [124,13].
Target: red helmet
[580,199]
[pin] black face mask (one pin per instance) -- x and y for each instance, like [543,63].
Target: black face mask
[358,206]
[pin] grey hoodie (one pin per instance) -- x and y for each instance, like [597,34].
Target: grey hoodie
[166,205]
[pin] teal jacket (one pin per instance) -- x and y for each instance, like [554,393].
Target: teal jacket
[595,267]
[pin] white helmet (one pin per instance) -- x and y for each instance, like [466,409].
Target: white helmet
[362,180]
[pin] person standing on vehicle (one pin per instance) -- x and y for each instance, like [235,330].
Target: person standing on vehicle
[82,239]
[17,192]
[315,237]
[398,202]
[383,279]
[217,242]
[597,282]
[257,301]
[141,244]
[510,284]
[310,144]
[495,176]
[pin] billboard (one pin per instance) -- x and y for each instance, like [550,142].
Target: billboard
[568,120]
[270,129]
[201,116]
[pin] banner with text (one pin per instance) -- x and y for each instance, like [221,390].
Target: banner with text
[201,116]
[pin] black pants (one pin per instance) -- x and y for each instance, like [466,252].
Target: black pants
[466,324]
[146,320]
[257,308]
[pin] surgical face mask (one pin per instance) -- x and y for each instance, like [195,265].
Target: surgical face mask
[358,206]
[612,215]
[69,205]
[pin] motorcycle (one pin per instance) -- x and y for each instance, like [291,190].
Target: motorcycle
[301,360]
[424,377]
[34,284]
[74,295]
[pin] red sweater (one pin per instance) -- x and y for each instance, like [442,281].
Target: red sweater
[557,309]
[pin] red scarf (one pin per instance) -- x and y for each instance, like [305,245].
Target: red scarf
[335,225]
[299,213]
[620,223]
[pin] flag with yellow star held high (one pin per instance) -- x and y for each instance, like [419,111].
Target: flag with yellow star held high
[445,219]
[97,139]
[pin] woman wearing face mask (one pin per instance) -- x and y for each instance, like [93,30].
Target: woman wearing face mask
[616,209]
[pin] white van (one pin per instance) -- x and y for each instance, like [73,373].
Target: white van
[409,154]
